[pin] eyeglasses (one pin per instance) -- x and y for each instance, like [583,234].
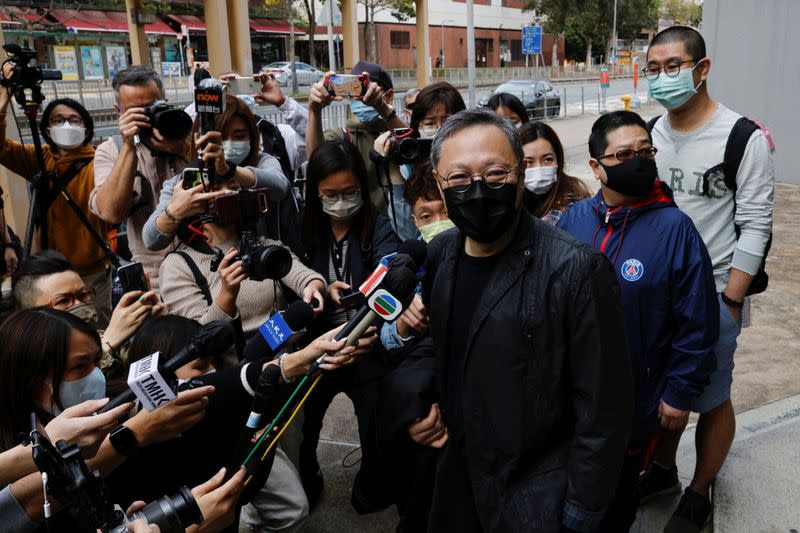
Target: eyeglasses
[332,198]
[59,120]
[66,300]
[629,153]
[494,177]
[671,69]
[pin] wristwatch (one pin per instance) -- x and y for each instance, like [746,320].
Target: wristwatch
[391,114]
[123,440]
[732,302]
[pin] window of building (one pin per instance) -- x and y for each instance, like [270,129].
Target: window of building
[400,39]
[517,4]
[516,50]
[490,46]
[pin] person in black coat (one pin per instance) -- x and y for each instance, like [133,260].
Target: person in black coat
[344,238]
[533,375]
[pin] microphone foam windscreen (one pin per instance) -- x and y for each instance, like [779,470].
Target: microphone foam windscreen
[215,338]
[401,283]
[416,249]
[298,315]
[211,83]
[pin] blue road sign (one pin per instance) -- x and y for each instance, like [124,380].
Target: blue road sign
[532,40]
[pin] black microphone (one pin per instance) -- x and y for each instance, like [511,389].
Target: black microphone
[209,102]
[416,249]
[280,329]
[385,303]
[213,339]
[264,393]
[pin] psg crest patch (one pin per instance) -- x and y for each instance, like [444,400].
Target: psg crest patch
[632,269]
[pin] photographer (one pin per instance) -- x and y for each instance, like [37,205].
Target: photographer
[46,279]
[67,129]
[372,114]
[432,106]
[233,148]
[128,176]
[232,294]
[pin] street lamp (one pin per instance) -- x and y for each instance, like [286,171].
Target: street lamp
[442,27]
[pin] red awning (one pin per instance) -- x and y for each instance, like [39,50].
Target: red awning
[272,26]
[89,20]
[193,22]
[16,13]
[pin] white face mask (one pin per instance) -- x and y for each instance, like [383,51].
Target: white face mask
[428,133]
[539,180]
[236,151]
[67,136]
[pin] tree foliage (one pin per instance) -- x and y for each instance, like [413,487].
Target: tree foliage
[682,12]
[399,9]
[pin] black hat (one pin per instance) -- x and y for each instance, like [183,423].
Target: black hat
[376,74]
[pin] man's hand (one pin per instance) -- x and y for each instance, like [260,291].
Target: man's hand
[736,312]
[140,526]
[375,97]
[335,292]
[76,425]
[429,431]
[415,318]
[133,309]
[171,420]
[11,259]
[212,151]
[671,418]
[271,92]
[131,122]
[187,203]
[217,502]
[319,96]
[314,290]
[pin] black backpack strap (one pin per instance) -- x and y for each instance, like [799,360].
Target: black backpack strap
[740,135]
[199,278]
[652,123]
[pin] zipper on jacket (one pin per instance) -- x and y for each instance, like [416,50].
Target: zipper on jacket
[607,237]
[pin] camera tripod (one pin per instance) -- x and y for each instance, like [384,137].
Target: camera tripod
[44,183]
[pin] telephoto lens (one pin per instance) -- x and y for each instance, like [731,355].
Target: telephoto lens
[172,514]
[266,261]
[170,122]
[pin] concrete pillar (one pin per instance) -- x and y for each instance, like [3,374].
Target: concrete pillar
[239,29]
[423,44]
[217,37]
[15,190]
[350,34]
[139,49]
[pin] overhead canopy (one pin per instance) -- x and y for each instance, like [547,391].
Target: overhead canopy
[272,26]
[90,20]
[192,22]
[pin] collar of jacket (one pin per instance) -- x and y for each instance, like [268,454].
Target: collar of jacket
[659,196]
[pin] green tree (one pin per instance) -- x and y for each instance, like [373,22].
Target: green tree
[589,19]
[684,12]
[633,16]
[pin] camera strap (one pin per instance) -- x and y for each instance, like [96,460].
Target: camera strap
[66,178]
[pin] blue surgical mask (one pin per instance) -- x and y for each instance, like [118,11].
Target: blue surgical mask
[236,151]
[407,171]
[674,92]
[92,387]
[364,113]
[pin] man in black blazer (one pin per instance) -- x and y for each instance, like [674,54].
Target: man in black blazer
[533,375]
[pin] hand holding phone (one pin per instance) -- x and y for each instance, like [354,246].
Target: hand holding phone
[244,85]
[132,278]
[347,85]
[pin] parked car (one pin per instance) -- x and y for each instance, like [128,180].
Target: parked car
[539,97]
[306,74]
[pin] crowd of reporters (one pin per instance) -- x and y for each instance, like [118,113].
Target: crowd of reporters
[317,212]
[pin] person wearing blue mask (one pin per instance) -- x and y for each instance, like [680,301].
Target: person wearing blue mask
[734,217]
[371,115]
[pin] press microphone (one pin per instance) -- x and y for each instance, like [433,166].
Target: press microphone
[264,393]
[150,382]
[410,253]
[209,102]
[280,329]
[386,303]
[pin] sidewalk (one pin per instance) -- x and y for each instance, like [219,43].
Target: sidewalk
[759,486]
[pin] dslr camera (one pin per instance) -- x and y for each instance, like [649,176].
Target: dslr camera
[23,74]
[170,122]
[245,209]
[407,147]
[71,481]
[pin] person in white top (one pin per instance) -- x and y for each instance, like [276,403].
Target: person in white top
[735,224]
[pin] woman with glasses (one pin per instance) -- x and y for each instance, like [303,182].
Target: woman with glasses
[666,285]
[549,190]
[344,238]
[67,129]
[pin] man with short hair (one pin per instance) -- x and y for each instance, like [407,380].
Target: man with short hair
[128,175]
[372,115]
[46,279]
[667,285]
[735,224]
[534,384]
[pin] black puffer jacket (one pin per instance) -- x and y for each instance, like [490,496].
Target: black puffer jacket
[547,385]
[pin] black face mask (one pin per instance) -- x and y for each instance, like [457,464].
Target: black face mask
[634,177]
[482,213]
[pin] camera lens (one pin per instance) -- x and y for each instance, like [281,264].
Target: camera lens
[172,514]
[269,262]
[172,123]
[408,149]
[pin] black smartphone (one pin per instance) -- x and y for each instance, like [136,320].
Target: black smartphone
[132,278]
[350,299]
[192,177]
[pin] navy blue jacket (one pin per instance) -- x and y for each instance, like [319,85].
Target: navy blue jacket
[668,294]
